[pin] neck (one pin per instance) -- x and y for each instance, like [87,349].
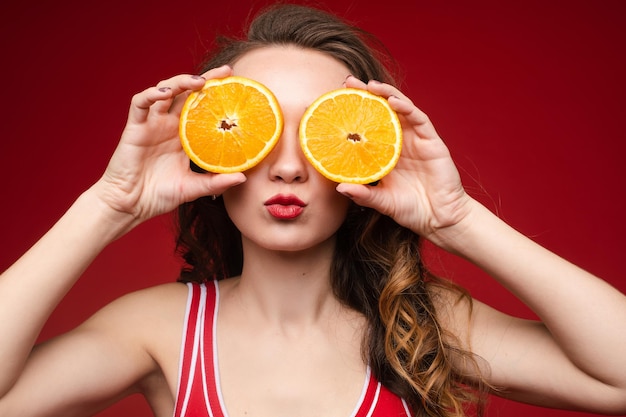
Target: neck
[288,288]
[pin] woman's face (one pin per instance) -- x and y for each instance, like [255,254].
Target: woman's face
[285,204]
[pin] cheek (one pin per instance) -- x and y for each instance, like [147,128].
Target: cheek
[335,207]
[236,205]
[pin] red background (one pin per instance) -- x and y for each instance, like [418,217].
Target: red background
[530,98]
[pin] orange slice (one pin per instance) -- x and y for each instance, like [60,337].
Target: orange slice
[230,125]
[351,135]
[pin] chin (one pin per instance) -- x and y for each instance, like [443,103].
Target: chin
[295,244]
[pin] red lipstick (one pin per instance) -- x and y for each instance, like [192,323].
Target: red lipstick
[285,206]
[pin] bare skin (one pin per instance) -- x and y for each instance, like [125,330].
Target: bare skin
[282,300]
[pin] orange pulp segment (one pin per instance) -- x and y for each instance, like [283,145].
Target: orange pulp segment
[351,135]
[230,125]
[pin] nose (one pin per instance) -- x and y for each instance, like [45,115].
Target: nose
[287,162]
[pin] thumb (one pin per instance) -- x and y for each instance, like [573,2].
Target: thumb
[363,195]
[202,185]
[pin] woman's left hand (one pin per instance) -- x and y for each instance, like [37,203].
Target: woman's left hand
[424,191]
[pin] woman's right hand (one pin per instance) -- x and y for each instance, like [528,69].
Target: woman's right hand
[149,173]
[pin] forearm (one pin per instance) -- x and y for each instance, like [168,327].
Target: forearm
[32,287]
[584,314]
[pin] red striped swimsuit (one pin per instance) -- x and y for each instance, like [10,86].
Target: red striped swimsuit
[199,392]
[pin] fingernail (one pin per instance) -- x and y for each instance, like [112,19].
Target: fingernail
[345,193]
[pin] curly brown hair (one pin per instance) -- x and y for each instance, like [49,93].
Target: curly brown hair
[377,267]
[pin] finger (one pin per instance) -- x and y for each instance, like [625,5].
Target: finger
[177,104]
[363,195]
[353,82]
[401,103]
[219,72]
[201,185]
[159,98]
[141,103]
[373,86]
[404,106]
[181,86]
[417,119]
[183,82]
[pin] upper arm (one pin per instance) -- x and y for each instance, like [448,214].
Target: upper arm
[521,360]
[84,370]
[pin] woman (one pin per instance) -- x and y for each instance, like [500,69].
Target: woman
[330,313]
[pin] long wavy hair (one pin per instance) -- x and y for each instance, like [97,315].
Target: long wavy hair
[377,267]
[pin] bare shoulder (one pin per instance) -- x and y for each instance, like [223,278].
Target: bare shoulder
[157,303]
[474,323]
[123,348]
[463,321]
[454,307]
[495,340]
[150,322]
[152,318]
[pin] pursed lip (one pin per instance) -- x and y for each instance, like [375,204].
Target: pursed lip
[285,206]
[285,200]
